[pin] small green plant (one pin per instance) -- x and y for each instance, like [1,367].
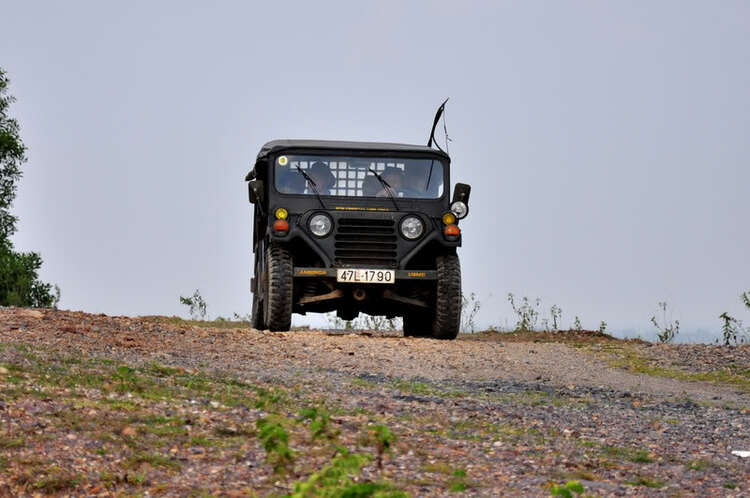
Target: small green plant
[567,490]
[556,315]
[337,479]
[667,329]
[275,440]
[730,328]
[458,483]
[644,481]
[577,324]
[320,423]
[527,312]
[196,304]
[384,439]
[745,296]
[470,306]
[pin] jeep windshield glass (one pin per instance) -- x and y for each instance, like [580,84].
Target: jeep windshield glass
[353,176]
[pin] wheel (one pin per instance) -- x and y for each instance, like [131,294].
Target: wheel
[447,319]
[257,313]
[278,288]
[417,324]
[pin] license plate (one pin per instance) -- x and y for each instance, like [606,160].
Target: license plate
[366,276]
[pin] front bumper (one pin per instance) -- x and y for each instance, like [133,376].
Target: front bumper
[331,272]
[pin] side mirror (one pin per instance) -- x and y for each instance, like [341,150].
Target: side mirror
[255,191]
[461,193]
[460,203]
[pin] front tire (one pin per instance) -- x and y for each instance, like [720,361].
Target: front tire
[257,313]
[447,319]
[278,287]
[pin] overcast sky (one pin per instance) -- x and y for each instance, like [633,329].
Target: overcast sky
[606,143]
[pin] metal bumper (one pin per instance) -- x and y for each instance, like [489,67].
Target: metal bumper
[400,274]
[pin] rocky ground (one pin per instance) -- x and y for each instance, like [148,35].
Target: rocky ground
[98,405]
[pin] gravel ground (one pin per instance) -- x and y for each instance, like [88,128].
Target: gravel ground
[516,417]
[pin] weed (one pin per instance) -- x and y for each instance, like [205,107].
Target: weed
[637,456]
[275,440]
[527,313]
[644,481]
[567,490]
[335,479]
[729,328]
[153,459]
[667,329]
[556,314]
[577,324]
[384,439]
[320,423]
[196,304]
[8,442]
[458,483]
[700,464]
[57,481]
[470,306]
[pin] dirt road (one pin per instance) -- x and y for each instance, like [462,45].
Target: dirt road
[116,405]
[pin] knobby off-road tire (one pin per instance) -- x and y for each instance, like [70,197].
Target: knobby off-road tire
[278,288]
[447,319]
[257,313]
[417,324]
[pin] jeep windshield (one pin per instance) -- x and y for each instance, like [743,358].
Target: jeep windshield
[359,176]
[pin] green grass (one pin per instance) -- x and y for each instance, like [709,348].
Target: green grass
[153,459]
[644,481]
[630,454]
[8,442]
[628,358]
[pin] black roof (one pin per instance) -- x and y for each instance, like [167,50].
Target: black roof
[278,145]
[275,146]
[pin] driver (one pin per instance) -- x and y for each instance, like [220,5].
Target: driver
[395,179]
[415,180]
[322,176]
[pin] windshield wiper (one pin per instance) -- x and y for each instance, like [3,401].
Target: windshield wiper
[313,185]
[387,187]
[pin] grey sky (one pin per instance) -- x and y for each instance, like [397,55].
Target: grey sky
[606,142]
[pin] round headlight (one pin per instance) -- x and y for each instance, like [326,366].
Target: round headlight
[460,209]
[412,227]
[320,225]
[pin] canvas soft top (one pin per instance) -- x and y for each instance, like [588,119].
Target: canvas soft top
[275,146]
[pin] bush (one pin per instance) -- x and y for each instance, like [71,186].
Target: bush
[19,281]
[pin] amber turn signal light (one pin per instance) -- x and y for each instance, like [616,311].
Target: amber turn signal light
[281,214]
[281,225]
[449,218]
[452,230]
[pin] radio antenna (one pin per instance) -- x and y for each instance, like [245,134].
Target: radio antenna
[432,140]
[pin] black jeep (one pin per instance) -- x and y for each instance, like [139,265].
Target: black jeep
[356,227]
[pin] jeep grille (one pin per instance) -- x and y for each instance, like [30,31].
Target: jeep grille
[365,242]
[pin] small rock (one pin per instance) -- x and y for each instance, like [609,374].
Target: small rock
[129,431]
[3,371]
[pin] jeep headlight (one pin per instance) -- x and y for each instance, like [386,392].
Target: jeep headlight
[412,227]
[320,225]
[460,209]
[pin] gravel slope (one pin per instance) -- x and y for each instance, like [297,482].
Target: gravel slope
[516,416]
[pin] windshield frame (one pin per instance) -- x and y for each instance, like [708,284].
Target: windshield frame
[387,156]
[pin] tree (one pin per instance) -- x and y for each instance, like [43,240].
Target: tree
[19,281]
